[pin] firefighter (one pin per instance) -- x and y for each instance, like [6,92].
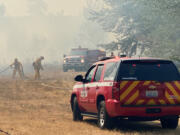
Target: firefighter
[37,67]
[17,67]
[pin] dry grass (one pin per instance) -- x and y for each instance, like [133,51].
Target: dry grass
[28,108]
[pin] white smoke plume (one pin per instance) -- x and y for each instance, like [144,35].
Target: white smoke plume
[39,32]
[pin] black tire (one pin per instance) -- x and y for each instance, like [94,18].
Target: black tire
[76,111]
[169,122]
[104,120]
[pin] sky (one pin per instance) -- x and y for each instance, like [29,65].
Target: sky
[21,7]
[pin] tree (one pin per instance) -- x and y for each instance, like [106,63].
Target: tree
[139,25]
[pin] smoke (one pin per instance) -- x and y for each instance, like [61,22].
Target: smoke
[31,37]
[41,33]
[37,7]
[2,10]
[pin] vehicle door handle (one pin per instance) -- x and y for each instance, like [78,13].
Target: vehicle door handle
[97,87]
[88,88]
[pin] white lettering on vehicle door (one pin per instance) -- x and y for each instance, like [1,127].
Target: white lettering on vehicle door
[84,93]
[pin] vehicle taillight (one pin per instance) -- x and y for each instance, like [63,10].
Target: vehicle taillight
[116,91]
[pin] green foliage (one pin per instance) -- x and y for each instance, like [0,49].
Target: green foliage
[150,26]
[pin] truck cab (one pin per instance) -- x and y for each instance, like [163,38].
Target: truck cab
[80,59]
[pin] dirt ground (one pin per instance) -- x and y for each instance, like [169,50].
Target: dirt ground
[42,108]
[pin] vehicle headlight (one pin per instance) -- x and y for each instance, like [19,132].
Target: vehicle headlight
[82,60]
[64,61]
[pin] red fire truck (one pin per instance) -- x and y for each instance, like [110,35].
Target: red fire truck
[80,59]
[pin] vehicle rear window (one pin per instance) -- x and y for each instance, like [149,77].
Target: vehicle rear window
[148,70]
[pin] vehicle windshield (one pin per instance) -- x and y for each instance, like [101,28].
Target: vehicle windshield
[78,52]
[148,70]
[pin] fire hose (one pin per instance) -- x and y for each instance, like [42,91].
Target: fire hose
[4,70]
[4,132]
[22,71]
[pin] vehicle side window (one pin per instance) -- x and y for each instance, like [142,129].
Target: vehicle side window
[111,70]
[90,73]
[98,73]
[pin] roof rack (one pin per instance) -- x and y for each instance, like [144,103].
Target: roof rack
[106,58]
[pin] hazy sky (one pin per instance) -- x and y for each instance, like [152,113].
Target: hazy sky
[31,28]
[21,7]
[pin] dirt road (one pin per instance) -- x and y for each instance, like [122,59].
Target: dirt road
[42,108]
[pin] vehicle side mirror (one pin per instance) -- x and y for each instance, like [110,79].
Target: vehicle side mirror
[64,55]
[79,78]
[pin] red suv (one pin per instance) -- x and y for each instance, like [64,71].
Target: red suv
[133,88]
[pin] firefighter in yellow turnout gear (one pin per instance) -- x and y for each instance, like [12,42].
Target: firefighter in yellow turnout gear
[37,67]
[17,67]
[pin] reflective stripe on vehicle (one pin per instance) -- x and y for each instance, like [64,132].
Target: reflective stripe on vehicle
[131,93]
[94,84]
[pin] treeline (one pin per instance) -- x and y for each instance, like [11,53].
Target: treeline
[141,27]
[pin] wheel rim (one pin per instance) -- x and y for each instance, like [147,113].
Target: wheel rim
[101,120]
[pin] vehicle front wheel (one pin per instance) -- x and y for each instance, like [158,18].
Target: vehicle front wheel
[76,111]
[169,122]
[104,120]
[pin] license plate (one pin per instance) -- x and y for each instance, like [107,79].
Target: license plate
[152,93]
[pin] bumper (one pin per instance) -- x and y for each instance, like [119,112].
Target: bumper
[73,65]
[115,109]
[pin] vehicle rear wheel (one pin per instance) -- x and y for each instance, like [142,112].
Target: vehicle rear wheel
[169,122]
[104,120]
[76,111]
